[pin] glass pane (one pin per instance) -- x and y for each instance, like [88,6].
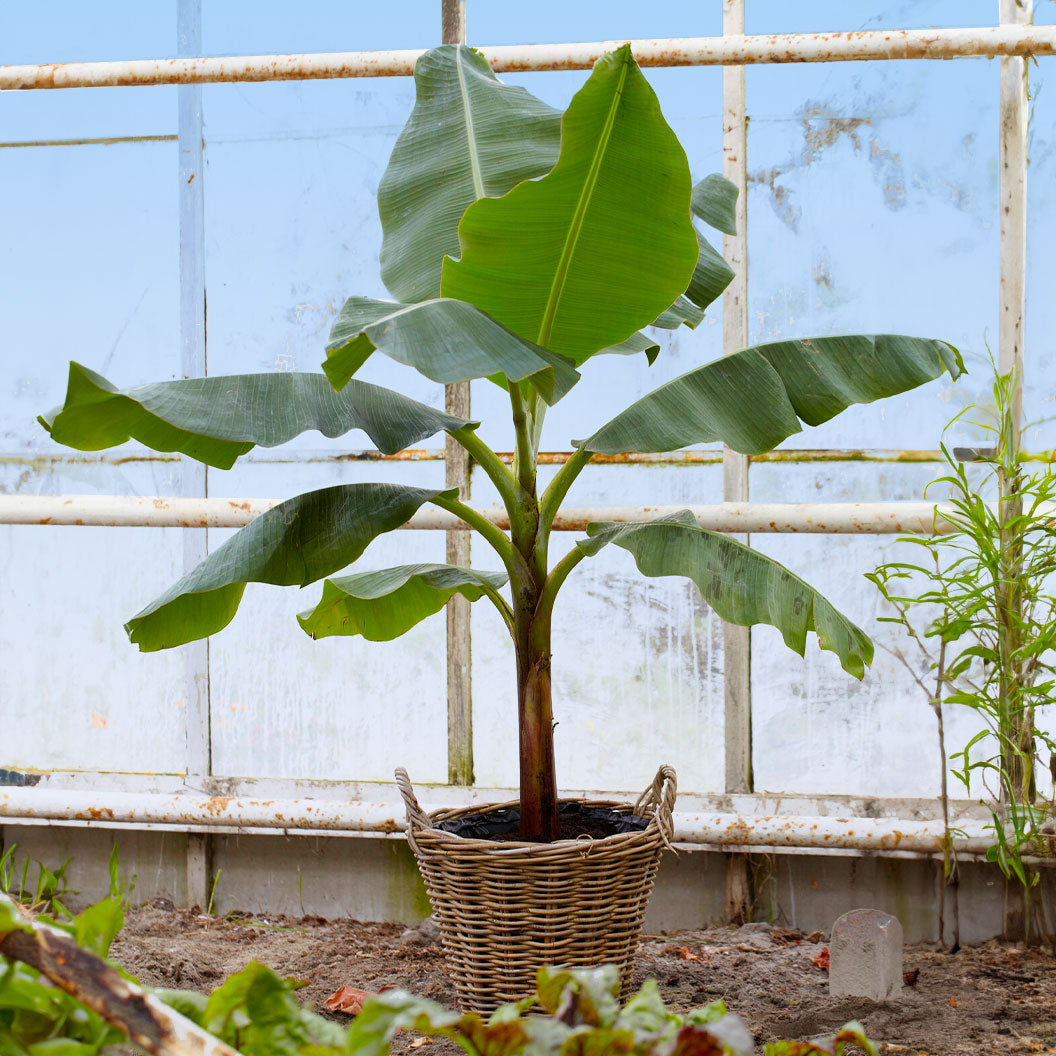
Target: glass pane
[90,266]
[77,694]
[815,729]
[637,672]
[338,708]
[873,208]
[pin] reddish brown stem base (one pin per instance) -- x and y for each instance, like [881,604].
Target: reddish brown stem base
[538,777]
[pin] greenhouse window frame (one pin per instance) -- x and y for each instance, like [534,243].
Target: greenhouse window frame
[1012,41]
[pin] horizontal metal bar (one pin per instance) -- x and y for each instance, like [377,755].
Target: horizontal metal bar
[700,457]
[96,141]
[757,803]
[987,42]
[307,815]
[847,518]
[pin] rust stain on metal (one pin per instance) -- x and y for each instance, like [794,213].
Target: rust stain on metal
[738,832]
[217,805]
[96,814]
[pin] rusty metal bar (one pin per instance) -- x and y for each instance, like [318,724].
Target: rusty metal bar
[92,141]
[987,42]
[694,457]
[148,1022]
[341,817]
[200,811]
[458,474]
[840,518]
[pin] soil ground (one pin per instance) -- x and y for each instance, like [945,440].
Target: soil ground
[993,998]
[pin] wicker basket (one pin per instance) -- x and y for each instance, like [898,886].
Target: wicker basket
[505,909]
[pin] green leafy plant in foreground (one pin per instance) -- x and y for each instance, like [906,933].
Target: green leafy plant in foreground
[522,246]
[38,1019]
[46,895]
[981,611]
[581,1015]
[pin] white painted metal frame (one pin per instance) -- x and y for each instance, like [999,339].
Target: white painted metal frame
[874,45]
[1012,41]
[194,477]
[836,518]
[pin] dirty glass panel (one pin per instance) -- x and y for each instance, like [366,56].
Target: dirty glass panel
[552,21]
[815,729]
[325,25]
[308,161]
[77,695]
[292,171]
[821,16]
[89,260]
[637,667]
[338,708]
[873,207]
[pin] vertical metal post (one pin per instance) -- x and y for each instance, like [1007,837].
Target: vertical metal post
[194,476]
[1014,126]
[736,641]
[1014,119]
[457,474]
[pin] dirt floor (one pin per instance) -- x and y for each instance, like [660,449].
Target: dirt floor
[993,998]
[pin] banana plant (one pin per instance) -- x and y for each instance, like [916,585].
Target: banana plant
[518,243]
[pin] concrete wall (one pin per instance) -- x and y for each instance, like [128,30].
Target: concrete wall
[376,879]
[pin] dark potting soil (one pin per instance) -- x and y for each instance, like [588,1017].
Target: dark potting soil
[575,820]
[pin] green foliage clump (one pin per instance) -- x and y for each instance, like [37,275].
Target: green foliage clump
[582,1017]
[980,610]
[36,1018]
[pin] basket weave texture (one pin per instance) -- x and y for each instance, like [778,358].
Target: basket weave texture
[506,909]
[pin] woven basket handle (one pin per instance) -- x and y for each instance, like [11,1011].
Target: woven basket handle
[658,800]
[416,817]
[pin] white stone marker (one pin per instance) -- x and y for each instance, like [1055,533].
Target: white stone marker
[865,955]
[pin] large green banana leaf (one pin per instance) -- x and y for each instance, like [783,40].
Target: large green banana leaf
[444,339]
[384,604]
[755,398]
[217,419]
[293,544]
[739,583]
[469,136]
[637,342]
[715,201]
[578,260]
[710,277]
[682,313]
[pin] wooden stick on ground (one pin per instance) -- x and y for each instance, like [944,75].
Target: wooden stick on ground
[148,1022]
